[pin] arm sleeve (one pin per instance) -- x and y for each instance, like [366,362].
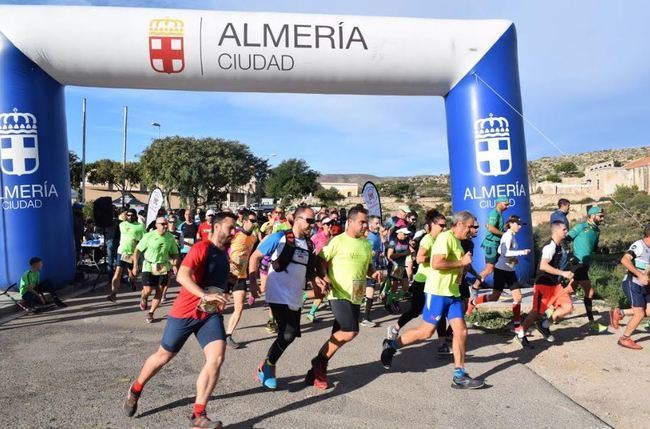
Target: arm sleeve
[505,247]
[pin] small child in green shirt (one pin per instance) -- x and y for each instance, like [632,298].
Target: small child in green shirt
[31,287]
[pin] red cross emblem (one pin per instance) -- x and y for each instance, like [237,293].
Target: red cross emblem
[167,54]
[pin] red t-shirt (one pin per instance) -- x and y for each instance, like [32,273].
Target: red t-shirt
[210,267]
[204,231]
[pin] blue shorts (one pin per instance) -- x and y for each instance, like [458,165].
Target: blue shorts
[177,331]
[639,296]
[437,307]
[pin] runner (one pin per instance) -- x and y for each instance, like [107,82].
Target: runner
[203,233]
[189,229]
[172,219]
[550,299]
[398,250]
[378,264]
[435,224]
[131,232]
[442,299]
[292,263]
[560,215]
[160,255]
[585,237]
[240,250]
[635,286]
[504,271]
[347,259]
[320,240]
[196,310]
[492,239]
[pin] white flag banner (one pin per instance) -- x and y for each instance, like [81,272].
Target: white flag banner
[155,202]
[371,198]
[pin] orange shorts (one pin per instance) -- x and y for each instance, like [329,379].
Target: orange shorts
[545,295]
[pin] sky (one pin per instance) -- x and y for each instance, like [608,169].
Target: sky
[583,65]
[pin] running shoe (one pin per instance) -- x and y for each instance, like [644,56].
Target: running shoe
[112,297]
[266,376]
[443,349]
[232,343]
[149,318]
[271,327]
[647,326]
[131,403]
[597,328]
[203,422]
[251,300]
[387,354]
[368,323]
[391,333]
[615,317]
[629,343]
[546,332]
[143,305]
[549,312]
[323,305]
[317,375]
[466,382]
[523,342]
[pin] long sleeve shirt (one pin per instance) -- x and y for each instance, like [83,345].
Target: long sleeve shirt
[508,252]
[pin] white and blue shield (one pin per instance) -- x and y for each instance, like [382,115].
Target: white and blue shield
[18,143]
[493,156]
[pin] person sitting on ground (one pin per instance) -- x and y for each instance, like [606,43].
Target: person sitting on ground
[32,288]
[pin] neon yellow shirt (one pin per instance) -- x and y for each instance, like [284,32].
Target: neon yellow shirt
[130,233]
[158,249]
[349,259]
[425,267]
[445,282]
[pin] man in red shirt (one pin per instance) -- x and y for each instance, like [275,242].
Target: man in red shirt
[197,310]
[203,234]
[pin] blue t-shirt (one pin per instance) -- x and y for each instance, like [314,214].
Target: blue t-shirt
[376,244]
[559,216]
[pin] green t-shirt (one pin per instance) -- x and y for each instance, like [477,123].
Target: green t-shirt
[425,267]
[281,226]
[29,279]
[349,259]
[496,220]
[158,249]
[130,233]
[445,282]
[585,237]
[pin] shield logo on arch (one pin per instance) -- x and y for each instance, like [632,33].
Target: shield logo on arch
[166,45]
[492,146]
[18,143]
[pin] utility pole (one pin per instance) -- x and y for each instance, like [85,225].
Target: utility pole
[83,151]
[126,123]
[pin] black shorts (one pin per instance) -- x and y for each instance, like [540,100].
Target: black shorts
[286,318]
[123,264]
[581,272]
[346,315]
[464,287]
[505,279]
[240,285]
[154,281]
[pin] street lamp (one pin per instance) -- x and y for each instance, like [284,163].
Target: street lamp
[157,125]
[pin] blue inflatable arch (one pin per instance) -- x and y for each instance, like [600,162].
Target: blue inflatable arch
[44,48]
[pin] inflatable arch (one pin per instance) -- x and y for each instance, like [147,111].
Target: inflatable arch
[472,64]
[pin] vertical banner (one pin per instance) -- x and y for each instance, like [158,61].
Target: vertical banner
[372,200]
[487,150]
[155,203]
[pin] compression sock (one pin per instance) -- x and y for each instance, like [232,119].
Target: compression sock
[589,309]
[459,372]
[545,323]
[516,313]
[313,309]
[481,299]
[137,387]
[368,307]
[199,409]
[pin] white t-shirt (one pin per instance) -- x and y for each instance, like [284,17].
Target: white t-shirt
[641,260]
[286,287]
[508,252]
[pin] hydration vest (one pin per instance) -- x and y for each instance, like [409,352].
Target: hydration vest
[282,261]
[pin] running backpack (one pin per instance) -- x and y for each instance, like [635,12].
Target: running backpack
[288,250]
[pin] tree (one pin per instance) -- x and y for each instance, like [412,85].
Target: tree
[124,178]
[553,178]
[328,196]
[75,171]
[292,178]
[203,170]
[566,167]
[260,174]
[397,189]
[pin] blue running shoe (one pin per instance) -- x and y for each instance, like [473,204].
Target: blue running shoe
[266,376]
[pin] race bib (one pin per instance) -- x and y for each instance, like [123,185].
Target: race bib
[358,289]
[127,258]
[159,269]
[301,256]
[210,307]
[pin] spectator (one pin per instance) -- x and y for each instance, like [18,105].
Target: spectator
[78,225]
[31,287]
[560,215]
[112,236]
[142,217]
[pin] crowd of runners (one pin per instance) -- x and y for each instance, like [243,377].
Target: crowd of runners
[351,261]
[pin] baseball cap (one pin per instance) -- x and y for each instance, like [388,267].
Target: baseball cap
[403,231]
[515,219]
[419,234]
[594,211]
[503,200]
[326,220]
[405,209]
[210,212]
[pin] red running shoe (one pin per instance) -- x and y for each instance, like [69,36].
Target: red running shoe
[615,317]
[317,375]
[628,343]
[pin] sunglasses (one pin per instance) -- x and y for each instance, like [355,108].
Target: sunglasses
[309,220]
[163,224]
[474,226]
[252,220]
[442,225]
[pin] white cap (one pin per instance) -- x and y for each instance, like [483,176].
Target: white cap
[210,212]
[403,231]
[419,234]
